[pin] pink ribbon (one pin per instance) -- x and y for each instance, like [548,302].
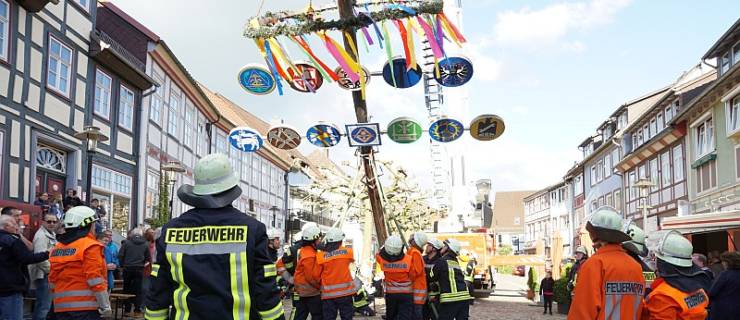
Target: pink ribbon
[436,50]
[331,47]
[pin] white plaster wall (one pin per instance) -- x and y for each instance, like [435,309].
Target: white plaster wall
[125,143]
[56,109]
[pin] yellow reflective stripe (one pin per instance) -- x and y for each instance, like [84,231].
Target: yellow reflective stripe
[155,270]
[233,269]
[155,314]
[270,270]
[182,312]
[273,313]
[245,285]
[239,285]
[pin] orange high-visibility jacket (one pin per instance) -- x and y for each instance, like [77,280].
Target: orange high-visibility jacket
[333,270]
[610,286]
[418,277]
[306,284]
[397,277]
[77,273]
[667,302]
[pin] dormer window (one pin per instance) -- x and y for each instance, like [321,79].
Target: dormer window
[725,63]
[622,121]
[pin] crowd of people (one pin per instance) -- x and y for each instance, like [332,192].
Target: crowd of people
[625,280]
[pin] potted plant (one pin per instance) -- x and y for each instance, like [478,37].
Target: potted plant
[562,295]
[532,283]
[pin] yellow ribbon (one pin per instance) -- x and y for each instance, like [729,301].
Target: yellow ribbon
[410,43]
[280,56]
[355,65]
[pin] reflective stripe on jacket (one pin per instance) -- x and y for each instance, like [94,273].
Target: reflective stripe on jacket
[77,273]
[305,283]
[449,275]
[333,270]
[418,276]
[667,302]
[396,274]
[610,286]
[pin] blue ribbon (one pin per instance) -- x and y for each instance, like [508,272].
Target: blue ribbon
[273,68]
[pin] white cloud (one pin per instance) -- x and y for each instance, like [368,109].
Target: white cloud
[550,25]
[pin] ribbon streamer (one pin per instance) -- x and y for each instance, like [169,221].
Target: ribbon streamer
[301,41]
[357,67]
[375,26]
[340,56]
[405,42]
[273,68]
[436,50]
[411,61]
[388,51]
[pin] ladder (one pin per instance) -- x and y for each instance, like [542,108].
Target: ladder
[434,99]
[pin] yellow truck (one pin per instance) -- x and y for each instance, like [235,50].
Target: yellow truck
[482,244]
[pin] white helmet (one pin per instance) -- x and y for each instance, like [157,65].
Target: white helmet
[420,238]
[309,224]
[334,235]
[436,243]
[273,233]
[582,249]
[453,245]
[637,244]
[310,232]
[673,248]
[393,245]
[79,216]
[606,224]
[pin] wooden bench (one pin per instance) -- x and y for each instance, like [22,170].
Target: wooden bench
[116,299]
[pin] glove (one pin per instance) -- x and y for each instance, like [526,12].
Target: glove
[103,303]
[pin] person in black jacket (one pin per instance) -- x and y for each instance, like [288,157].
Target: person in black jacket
[581,257]
[547,290]
[212,261]
[134,256]
[431,255]
[723,296]
[14,260]
[454,296]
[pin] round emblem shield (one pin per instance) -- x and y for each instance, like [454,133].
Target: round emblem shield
[446,130]
[245,139]
[256,80]
[454,71]
[284,138]
[404,130]
[323,135]
[346,83]
[400,77]
[487,127]
[309,80]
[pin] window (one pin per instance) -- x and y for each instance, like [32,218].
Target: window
[172,118]
[221,143]
[113,189]
[659,120]
[2,155]
[608,166]
[678,164]
[593,175]
[668,114]
[736,54]
[724,64]
[155,102]
[60,67]
[665,170]
[704,138]
[706,176]
[188,124]
[641,172]
[618,200]
[4,30]
[653,128]
[126,108]
[615,159]
[646,132]
[601,201]
[245,168]
[737,158]
[733,108]
[631,192]
[622,121]
[639,138]
[654,177]
[85,4]
[609,200]
[600,171]
[102,94]
[578,185]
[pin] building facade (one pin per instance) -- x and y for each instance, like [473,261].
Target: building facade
[508,219]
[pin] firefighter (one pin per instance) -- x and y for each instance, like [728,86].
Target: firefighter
[454,297]
[396,267]
[286,269]
[680,291]
[636,248]
[212,261]
[610,283]
[273,243]
[78,275]
[306,284]
[419,282]
[361,303]
[432,254]
[470,274]
[333,268]
[581,257]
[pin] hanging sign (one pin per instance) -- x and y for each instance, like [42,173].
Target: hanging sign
[454,71]
[323,135]
[363,134]
[245,139]
[404,130]
[400,77]
[446,130]
[309,80]
[487,127]
[346,83]
[284,138]
[256,80]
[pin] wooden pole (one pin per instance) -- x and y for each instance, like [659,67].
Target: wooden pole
[346,11]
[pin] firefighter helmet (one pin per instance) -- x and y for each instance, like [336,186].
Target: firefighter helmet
[393,245]
[216,185]
[582,249]
[311,233]
[453,245]
[273,233]
[420,238]
[606,224]
[79,217]
[637,244]
[436,243]
[334,235]
[673,248]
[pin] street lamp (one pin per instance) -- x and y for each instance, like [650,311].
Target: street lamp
[644,185]
[92,136]
[170,169]
[274,210]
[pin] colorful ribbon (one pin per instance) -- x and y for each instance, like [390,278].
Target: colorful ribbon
[341,56]
[318,64]
[270,60]
[429,33]
[388,51]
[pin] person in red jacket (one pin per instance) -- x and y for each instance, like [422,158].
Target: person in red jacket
[306,284]
[78,271]
[337,285]
[419,281]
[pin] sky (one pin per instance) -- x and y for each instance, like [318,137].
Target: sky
[553,70]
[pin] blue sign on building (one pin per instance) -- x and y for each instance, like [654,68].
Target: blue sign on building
[245,139]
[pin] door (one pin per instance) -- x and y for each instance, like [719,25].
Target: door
[51,183]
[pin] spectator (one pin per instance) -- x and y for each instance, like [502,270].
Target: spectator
[723,296]
[547,291]
[134,256]
[149,236]
[113,248]
[43,240]
[71,200]
[14,259]
[16,214]
[715,264]
[43,202]
[56,206]
[102,223]
[700,261]
[111,256]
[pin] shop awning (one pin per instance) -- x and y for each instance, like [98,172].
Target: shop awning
[705,222]
[518,260]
